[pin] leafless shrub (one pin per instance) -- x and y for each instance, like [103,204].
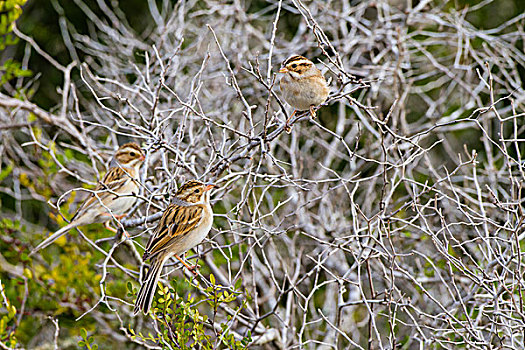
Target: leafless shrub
[393,219]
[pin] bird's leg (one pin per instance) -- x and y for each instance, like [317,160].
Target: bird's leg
[108,227]
[112,229]
[312,111]
[191,268]
[287,127]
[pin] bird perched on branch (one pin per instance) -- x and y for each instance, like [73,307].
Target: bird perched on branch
[113,196]
[183,225]
[303,85]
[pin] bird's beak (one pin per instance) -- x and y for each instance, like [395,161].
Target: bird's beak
[142,158]
[209,186]
[283,70]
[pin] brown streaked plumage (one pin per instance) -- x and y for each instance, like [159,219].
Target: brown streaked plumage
[293,58]
[303,85]
[183,225]
[115,192]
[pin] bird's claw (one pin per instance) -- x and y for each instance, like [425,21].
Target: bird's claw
[194,269]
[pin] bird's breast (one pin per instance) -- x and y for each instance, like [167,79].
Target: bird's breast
[305,92]
[201,231]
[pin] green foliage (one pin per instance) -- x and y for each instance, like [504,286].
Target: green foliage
[12,69]
[182,325]
[7,320]
[88,342]
[61,284]
[10,11]
[6,171]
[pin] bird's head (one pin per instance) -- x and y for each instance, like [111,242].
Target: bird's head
[194,191]
[297,66]
[130,155]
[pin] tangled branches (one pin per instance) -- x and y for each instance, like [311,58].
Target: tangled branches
[394,219]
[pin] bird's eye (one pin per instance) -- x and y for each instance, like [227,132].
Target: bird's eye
[133,154]
[196,191]
[294,65]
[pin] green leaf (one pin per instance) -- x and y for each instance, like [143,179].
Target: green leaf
[238,284]
[6,171]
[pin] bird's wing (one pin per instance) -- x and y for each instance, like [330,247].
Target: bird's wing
[176,222]
[115,179]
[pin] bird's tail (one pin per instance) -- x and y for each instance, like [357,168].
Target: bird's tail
[148,287]
[54,236]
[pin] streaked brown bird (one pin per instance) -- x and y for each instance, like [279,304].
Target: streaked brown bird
[183,225]
[303,85]
[111,198]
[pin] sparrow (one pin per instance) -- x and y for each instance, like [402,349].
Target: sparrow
[112,197]
[183,225]
[303,85]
